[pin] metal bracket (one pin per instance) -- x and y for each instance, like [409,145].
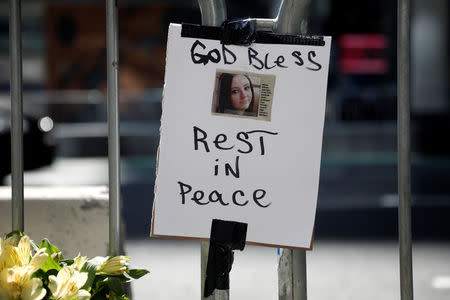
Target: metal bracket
[291,18]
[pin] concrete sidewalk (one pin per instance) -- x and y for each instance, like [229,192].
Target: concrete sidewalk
[338,270]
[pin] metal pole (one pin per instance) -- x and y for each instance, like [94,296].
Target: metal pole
[204,248]
[15,53]
[112,58]
[404,149]
[299,289]
[292,19]
[292,275]
[218,294]
[214,13]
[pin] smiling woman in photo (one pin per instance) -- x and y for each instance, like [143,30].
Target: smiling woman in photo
[236,95]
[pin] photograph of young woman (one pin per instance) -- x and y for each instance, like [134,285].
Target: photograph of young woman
[236,95]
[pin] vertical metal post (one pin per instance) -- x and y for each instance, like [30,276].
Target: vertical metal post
[218,294]
[404,148]
[204,248]
[214,13]
[112,60]
[15,53]
[292,19]
[299,281]
[292,281]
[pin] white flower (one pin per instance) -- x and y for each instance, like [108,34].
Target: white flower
[114,266]
[16,268]
[67,284]
[78,262]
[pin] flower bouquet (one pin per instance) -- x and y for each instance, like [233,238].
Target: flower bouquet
[33,272]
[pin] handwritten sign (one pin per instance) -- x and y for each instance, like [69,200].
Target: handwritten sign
[241,138]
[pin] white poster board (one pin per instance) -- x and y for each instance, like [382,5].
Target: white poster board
[241,138]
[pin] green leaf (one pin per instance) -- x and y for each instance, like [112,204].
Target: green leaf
[99,285]
[50,247]
[137,273]
[50,263]
[113,296]
[44,277]
[91,268]
[99,297]
[99,288]
[67,262]
[39,274]
[116,297]
[34,246]
[115,285]
[14,233]
[52,272]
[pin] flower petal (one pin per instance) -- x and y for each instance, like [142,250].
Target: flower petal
[78,262]
[9,286]
[53,284]
[3,294]
[24,250]
[9,257]
[83,295]
[38,259]
[80,279]
[64,274]
[33,290]
[114,266]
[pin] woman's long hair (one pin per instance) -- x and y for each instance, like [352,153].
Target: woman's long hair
[224,96]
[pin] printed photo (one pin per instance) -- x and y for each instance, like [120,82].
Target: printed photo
[241,94]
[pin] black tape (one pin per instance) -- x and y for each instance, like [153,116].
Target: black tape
[243,32]
[265,37]
[225,237]
[201,32]
[238,32]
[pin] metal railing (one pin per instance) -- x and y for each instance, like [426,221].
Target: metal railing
[291,18]
[15,55]
[404,147]
[15,37]
[112,62]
